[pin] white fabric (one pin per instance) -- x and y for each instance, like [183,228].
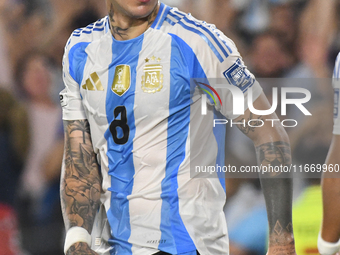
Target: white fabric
[336,87]
[327,248]
[76,235]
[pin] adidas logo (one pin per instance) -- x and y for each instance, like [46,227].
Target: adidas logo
[93,83]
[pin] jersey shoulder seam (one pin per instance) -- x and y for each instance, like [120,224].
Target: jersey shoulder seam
[208,32]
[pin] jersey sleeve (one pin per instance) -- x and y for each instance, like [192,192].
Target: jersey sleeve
[219,62]
[233,72]
[236,75]
[70,98]
[336,87]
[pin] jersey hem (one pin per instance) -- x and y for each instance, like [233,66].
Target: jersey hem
[74,116]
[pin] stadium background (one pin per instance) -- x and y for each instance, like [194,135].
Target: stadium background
[294,40]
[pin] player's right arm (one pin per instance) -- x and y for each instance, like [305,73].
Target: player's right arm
[80,184]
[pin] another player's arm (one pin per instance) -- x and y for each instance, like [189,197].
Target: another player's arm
[80,185]
[330,230]
[269,142]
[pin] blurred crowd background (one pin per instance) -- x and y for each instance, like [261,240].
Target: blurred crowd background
[295,40]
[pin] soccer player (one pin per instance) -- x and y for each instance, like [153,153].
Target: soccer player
[134,129]
[329,242]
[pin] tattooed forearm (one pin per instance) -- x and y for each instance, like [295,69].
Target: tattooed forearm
[80,249]
[278,195]
[81,182]
[274,154]
[254,123]
[281,239]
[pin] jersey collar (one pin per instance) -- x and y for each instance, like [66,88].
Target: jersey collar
[162,13]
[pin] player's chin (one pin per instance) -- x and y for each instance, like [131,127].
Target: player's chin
[145,9]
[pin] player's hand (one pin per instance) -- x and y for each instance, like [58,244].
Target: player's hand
[80,249]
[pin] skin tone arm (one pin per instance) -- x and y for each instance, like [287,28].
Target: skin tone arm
[80,185]
[330,230]
[269,143]
[317,27]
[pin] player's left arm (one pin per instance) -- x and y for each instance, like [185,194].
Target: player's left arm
[328,240]
[273,148]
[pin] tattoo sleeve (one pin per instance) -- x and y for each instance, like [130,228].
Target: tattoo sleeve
[80,185]
[255,123]
[80,249]
[278,195]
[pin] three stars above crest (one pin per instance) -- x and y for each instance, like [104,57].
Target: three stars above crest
[153,59]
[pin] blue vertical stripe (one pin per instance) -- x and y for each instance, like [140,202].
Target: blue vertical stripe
[220,133]
[197,72]
[172,226]
[121,167]
[77,61]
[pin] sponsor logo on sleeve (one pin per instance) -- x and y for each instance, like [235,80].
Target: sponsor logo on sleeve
[239,76]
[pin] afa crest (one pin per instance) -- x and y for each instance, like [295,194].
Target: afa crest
[122,80]
[152,80]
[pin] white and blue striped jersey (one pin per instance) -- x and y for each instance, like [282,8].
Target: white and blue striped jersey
[336,87]
[147,129]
